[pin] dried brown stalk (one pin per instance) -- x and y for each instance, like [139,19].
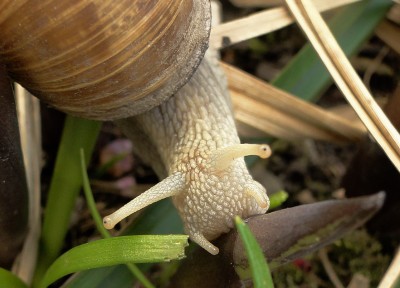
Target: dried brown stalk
[260,23]
[390,34]
[29,123]
[346,78]
[282,115]
[393,272]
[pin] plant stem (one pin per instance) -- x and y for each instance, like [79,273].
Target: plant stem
[64,188]
[99,223]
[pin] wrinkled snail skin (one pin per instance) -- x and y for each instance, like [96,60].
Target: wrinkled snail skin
[192,139]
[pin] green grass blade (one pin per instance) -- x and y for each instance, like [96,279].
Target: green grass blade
[159,218]
[9,280]
[67,181]
[118,250]
[277,199]
[258,266]
[99,223]
[135,270]
[106,277]
[306,76]
[64,187]
[90,200]
[110,163]
[397,284]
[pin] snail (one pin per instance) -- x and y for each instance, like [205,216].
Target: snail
[142,64]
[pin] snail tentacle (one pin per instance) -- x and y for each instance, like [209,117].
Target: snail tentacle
[170,186]
[222,158]
[203,242]
[256,191]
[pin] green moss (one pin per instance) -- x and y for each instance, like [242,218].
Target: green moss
[358,252]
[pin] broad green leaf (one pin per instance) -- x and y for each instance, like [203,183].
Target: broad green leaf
[397,284]
[159,218]
[117,250]
[258,266]
[106,277]
[9,280]
[99,223]
[64,187]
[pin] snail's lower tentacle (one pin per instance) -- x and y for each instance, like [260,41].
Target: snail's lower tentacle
[170,186]
[256,191]
[203,242]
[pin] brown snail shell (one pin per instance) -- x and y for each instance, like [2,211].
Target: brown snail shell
[103,59]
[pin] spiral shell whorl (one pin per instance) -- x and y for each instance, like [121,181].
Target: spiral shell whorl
[103,59]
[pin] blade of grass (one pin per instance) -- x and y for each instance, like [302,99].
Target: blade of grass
[113,276]
[99,223]
[277,199]
[159,218]
[260,23]
[9,280]
[106,277]
[346,78]
[106,166]
[117,250]
[259,267]
[305,76]
[90,200]
[64,187]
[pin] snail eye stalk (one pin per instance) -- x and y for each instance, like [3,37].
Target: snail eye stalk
[170,186]
[221,158]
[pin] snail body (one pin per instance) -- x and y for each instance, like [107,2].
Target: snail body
[192,139]
[124,60]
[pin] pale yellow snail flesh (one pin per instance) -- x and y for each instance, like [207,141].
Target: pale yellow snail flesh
[192,138]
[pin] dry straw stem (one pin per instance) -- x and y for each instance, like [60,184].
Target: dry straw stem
[346,78]
[390,34]
[282,115]
[393,273]
[394,13]
[28,109]
[261,23]
[326,263]
[347,112]
[256,3]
